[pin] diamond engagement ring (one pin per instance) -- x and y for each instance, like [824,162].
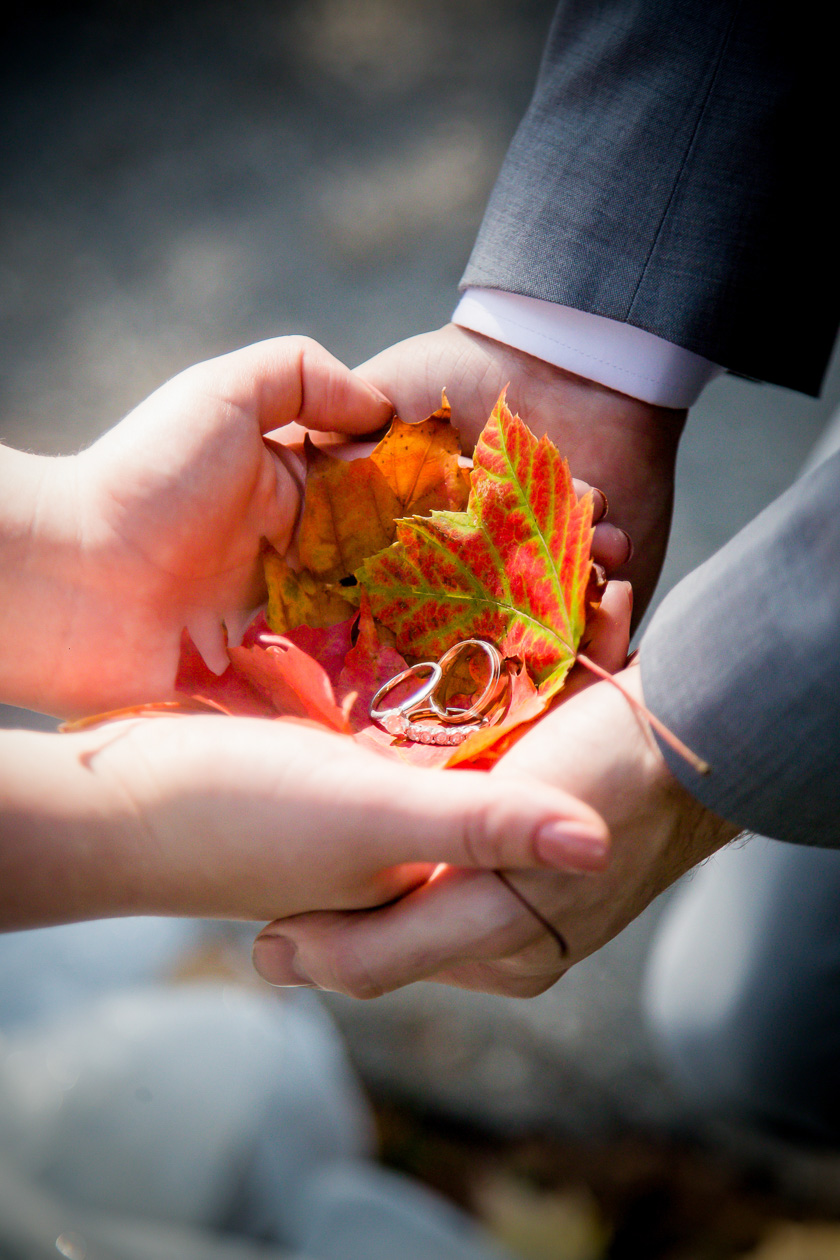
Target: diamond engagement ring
[395,720]
[449,725]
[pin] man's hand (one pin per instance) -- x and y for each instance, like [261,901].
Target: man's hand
[624,447]
[467,928]
[158,526]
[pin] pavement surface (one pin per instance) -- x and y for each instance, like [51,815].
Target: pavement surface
[180,180]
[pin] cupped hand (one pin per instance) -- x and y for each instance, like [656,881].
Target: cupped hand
[467,927]
[159,525]
[625,447]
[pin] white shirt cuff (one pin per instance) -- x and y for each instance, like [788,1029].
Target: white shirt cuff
[617,355]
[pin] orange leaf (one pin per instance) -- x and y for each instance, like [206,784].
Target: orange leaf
[421,464]
[348,513]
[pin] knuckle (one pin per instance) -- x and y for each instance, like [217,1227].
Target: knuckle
[300,344]
[487,832]
[527,972]
[351,973]
[529,986]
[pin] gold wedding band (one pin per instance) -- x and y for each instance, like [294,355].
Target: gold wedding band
[449,725]
[491,690]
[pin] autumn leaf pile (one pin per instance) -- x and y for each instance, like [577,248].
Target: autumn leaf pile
[402,554]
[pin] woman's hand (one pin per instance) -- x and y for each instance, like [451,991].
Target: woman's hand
[251,819]
[109,554]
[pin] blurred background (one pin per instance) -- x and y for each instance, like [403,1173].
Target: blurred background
[178,180]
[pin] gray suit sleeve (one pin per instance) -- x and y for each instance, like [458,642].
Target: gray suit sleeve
[669,174]
[742,661]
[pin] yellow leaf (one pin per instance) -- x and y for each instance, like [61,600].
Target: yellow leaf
[299,599]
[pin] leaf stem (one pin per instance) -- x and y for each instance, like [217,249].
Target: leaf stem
[672,740]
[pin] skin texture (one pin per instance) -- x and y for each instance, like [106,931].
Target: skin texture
[625,447]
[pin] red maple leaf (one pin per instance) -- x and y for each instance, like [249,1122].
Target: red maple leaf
[512,569]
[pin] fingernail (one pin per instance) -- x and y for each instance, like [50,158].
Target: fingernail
[275,959]
[601,505]
[629,545]
[380,397]
[572,847]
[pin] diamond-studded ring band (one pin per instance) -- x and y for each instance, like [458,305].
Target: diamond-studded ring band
[449,725]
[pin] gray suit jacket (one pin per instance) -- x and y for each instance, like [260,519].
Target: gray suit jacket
[669,173]
[742,661]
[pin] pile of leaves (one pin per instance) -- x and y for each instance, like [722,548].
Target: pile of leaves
[401,555]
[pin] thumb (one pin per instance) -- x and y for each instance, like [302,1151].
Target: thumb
[291,379]
[471,819]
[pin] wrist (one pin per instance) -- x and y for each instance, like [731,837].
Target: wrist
[189,814]
[70,843]
[40,530]
[693,832]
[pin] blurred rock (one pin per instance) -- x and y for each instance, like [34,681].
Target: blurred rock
[151,1103]
[140,1120]
[789,1241]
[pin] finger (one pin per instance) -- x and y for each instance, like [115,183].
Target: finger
[467,819]
[611,546]
[412,374]
[606,639]
[460,923]
[295,379]
[600,506]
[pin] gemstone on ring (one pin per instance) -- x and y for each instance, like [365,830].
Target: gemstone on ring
[421,732]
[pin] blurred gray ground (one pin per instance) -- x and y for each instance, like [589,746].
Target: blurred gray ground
[180,180]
